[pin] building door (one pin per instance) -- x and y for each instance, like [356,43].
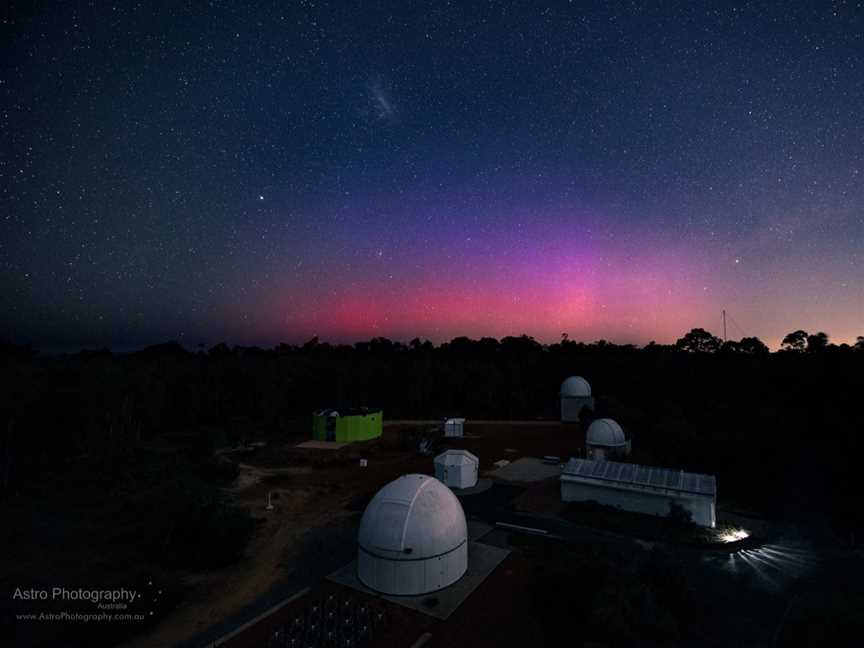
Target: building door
[331,428]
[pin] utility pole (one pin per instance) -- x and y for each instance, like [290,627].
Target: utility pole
[724,325]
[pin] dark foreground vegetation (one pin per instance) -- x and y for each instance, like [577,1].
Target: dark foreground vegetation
[107,464]
[650,598]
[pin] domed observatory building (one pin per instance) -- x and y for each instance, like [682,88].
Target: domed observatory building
[575,394]
[606,440]
[413,538]
[457,468]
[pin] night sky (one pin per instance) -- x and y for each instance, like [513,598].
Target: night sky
[267,172]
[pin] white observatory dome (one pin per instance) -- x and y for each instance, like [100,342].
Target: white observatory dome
[575,387]
[413,538]
[605,432]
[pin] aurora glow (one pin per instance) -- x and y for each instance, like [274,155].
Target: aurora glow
[258,174]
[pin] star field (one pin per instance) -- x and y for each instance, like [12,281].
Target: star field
[265,172]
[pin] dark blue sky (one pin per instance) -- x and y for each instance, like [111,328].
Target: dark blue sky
[258,172]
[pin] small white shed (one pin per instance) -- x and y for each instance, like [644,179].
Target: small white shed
[453,427]
[457,468]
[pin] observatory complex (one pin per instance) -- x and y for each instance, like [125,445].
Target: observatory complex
[413,538]
[575,395]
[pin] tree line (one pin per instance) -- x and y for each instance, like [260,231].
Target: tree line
[700,340]
[702,404]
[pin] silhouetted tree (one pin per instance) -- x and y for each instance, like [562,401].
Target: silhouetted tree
[817,342]
[731,346]
[795,341]
[699,341]
[221,350]
[753,346]
[678,515]
[859,343]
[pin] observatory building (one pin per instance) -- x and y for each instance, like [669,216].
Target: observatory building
[606,440]
[641,489]
[575,394]
[358,424]
[457,468]
[453,427]
[413,538]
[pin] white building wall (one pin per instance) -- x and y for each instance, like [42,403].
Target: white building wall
[457,475]
[454,427]
[700,507]
[412,577]
[571,407]
[468,475]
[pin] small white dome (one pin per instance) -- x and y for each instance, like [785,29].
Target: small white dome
[575,387]
[605,432]
[415,516]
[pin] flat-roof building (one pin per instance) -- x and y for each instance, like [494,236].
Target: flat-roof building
[344,425]
[641,489]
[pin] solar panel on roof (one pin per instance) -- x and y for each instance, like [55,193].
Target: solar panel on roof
[707,485]
[658,477]
[614,472]
[690,482]
[627,472]
[641,476]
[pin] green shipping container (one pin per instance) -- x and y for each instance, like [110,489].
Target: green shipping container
[344,426]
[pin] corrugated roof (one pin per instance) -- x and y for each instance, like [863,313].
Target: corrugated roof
[650,477]
[457,456]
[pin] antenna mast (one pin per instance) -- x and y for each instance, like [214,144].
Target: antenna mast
[724,325]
